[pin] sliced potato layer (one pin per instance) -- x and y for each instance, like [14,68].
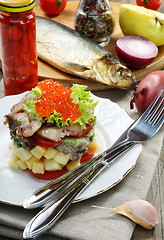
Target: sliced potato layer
[39,159]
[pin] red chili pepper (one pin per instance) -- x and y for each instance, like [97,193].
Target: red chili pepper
[15,33]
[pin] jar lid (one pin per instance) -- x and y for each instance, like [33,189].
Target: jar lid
[16,5]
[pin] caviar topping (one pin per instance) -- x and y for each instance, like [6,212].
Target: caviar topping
[55,97]
[61,105]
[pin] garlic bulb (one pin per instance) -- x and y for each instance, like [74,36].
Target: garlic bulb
[140,211]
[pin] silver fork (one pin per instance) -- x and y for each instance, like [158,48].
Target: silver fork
[141,130]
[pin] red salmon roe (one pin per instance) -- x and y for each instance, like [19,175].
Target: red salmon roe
[56,97]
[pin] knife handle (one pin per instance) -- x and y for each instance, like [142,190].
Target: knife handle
[51,213]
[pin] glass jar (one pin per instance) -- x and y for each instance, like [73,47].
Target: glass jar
[18,41]
[94,19]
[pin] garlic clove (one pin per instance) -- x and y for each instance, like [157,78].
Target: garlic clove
[140,211]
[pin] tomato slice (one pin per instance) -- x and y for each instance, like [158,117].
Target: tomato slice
[45,142]
[85,131]
[49,175]
[86,157]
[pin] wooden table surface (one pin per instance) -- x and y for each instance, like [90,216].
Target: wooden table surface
[67,17]
[156,191]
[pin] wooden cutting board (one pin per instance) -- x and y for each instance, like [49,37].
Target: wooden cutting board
[67,18]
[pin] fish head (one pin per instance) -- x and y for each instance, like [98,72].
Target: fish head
[112,72]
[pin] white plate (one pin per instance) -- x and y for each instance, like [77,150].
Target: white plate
[112,121]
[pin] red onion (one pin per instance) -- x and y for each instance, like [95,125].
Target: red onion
[136,51]
[147,90]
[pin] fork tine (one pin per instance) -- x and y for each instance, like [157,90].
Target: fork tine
[159,123]
[158,116]
[159,119]
[148,111]
[156,113]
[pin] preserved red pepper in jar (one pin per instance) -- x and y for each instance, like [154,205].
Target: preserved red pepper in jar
[18,45]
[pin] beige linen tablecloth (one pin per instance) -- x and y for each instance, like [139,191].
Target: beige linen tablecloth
[83,222]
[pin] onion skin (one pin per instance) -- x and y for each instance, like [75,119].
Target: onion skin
[147,90]
[134,56]
[131,61]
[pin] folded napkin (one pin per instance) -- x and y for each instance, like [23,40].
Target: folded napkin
[83,222]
